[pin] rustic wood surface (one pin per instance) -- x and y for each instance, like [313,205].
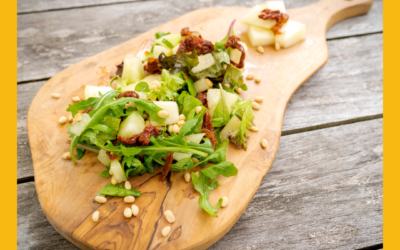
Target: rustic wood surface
[363,103]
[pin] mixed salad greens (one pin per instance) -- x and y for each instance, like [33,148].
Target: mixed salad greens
[195,83]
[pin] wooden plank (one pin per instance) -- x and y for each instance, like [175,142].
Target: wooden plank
[332,95]
[324,190]
[47,43]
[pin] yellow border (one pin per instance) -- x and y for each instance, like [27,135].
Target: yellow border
[8,102]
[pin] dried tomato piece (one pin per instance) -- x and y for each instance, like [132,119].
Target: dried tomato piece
[153,66]
[87,110]
[120,67]
[141,139]
[202,97]
[208,129]
[191,43]
[167,167]
[233,42]
[111,155]
[280,18]
[187,32]
[129,93]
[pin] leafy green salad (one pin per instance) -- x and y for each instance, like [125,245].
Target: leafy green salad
[175,105]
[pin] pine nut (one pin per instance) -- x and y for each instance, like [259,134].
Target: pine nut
[259,98]
[128,185]
[260,49]
[225,201]
[171,129]
[250,76]
[239,90]
[255,106]
[129,199]
[198,109]
[264,143]
[197,173]
[209,83]
[113,180]
[195,160]
[145,116]
[135,210]
[258,79]
[163,114]
[110,172]
[62,120]
[166,231]
[176,129]
[277,46]
[153,86]
[227,85]
[181,122]
[66,156]
[254,129]
[187,177]
[76,99]
[127,213]
[78,117]
[70,118]
[169,216]
[55,95]
[95,216]
[182,117]
[100,199]
[157,84]
[202,28]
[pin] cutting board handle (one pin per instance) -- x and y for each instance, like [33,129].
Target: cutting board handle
[337,10]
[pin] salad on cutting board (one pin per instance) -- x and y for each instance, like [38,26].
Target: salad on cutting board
[176,105]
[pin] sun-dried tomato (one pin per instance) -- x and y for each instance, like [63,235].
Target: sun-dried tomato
[119,69]
[87,110]
[233,42]
[141,139]
[187,32]
[202,97]
[167,166]
[111,155]
[129,93]
[191,43]
[153,66]
[280,18]
[208,129]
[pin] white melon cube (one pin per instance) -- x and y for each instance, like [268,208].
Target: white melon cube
[230,100]
[230,127]
[260,37]
[104,158]
[251,18]
[133,69]
[93,91]
[117,170]
[274,5]
[175,49]
[158,49]
[174,39]
[235,55]
[244,46]
[201,85]
[189,138]
[292,33]
[213,97]
[205,62]
[132,125]
[172,110]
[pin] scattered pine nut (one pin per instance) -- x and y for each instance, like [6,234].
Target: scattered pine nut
[128,185]
[260,49]
[277,46]
[153,86]
[129,199]
[176,129]
[254,129]
[163,114]
[127,213]
[187,177]
[256,106]
[135,210]
[259,98]
[70,118]
[100,199]
[78,117]
[225,201]
[95,216]
[62,120]
[110,172]
[198,109]
[182,117]
[250,76]
[197,173]
[55,95]
[66,156]
[239,90]
[258,79]
[166,231]
[169,216]
[171,129]
[209,83]
[157,84]
[113,180]
[195,160]
[202,28]
[76,98]
[264,143]
[181,122]
[145,116]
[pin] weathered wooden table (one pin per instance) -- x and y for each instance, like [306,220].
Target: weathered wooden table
[324,189]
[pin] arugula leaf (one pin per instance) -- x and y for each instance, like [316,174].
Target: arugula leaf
[221,114]
[166,42]
[243,110]
[105,173]
[225,168]
[161,34]
[219,46]
[187,103]
[182,165]
[150,54]
[142,87]
[133,166]
[80,152]
[118,190]
[120,149]
[189,126]
[204,187]
[205,204]
[189,83]
[82,105]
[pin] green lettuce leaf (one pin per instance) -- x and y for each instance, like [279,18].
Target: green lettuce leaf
[118,190]
[233,77]
[142,87]
[225,168]
[217,69]
[243,110]
[170,84]
[82,105]
[221,113]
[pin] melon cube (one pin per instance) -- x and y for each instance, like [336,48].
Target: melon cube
[274,5]
[292,33]
[93,91]
[205,62]
[189,138]
[173,112]
[251,18]
[133,69]
[213,97]
[118,171]
[132,125]
[201,85]
[260,37]
[158,49]
[174,39]
[235,55]
[230,127]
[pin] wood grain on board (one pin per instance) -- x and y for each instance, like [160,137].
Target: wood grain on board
[291,67]
[49,42]
[324,191]
[333,95]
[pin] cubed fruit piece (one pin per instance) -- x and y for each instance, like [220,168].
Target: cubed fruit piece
[205,62]
[260,37]
[292,33]
[251,18]
[202,85]
[189,138]
[104,158]
[117,170]
[93,91]
[175,49]
[173,39]
[158,49]
[80,126]
[235,55]
[172,110]
[230,127]
[133,69]
[244,46]
[213,96]
[132,125]
[274,5]
[142,54]
[230,100]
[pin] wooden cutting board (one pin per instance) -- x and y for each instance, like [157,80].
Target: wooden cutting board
[66,191]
